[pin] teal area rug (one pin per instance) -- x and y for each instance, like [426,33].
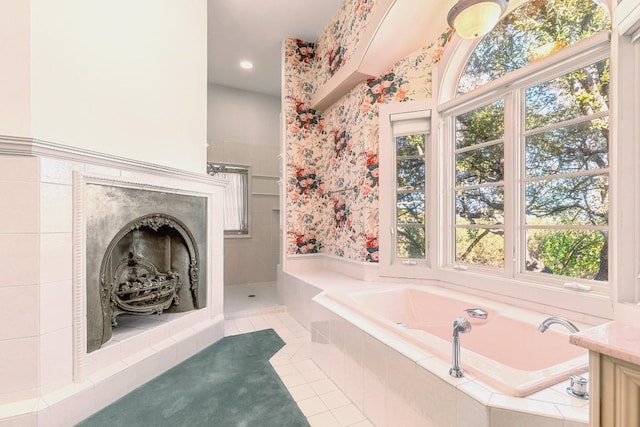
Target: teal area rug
[229,384]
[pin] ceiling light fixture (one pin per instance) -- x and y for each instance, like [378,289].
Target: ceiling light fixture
[247,65]
[475,18]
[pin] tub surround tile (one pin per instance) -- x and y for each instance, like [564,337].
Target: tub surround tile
[558,394]
[527,406]
[470,412]
[435,396]
[506,418]
[573,414]
[478,392]
[436,399]
[401,413]
[352,381]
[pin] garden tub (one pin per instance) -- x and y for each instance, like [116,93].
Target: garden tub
[505,351]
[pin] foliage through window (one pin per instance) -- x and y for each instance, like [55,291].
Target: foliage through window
[410,132]
[236,197]
[533,31]
[410,196]
[531,167]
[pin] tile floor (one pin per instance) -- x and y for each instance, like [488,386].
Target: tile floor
[319,399]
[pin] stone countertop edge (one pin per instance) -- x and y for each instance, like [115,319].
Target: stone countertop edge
[613,339]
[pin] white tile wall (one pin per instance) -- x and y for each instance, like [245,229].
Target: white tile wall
[55,306]
[36,340]
[55,257]
[56,208]
[19,313]
[19,168]
[21,252]
[19,213]
[56,359]
[18,369]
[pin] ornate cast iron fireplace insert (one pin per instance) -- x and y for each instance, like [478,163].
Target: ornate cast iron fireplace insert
[142,262]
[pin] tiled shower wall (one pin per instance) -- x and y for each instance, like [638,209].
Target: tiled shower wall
[253,259]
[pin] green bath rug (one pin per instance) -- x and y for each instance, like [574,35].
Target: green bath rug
[228,384]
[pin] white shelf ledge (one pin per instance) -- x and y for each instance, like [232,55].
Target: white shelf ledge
[396,29]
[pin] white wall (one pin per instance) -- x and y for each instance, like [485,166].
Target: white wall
[15,73]
[243,128]
[243,117]
[126,78]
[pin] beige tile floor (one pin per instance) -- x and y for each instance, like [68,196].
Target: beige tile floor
[319,399]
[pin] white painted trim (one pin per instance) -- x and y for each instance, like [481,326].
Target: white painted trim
[12,145]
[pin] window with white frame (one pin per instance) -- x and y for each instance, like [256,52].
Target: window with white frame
[405,149]
[236,197]
[528,143]
[626,56]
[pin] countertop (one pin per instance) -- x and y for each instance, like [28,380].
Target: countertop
[613,339]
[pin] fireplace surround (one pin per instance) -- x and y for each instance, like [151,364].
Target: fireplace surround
[49,378]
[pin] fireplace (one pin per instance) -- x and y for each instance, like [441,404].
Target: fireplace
[145,256]
[68,209]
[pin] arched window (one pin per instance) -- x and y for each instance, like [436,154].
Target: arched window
[533,31]
[527,135]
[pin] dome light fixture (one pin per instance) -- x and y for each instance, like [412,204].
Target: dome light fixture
[475,18]
[247,65]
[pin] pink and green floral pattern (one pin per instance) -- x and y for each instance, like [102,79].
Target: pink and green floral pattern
[332,173]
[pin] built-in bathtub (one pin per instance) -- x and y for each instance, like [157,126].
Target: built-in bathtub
[506,351]
[388,348]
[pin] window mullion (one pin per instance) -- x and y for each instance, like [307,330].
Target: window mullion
[513,117]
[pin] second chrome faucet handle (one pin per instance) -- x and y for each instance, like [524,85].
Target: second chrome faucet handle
[476,313]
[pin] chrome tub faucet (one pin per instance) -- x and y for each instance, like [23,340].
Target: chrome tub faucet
[559,320]
[460,325]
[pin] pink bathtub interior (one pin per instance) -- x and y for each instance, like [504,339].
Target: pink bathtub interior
[505,351]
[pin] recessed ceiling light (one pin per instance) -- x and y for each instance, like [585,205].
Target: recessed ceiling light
[247,65]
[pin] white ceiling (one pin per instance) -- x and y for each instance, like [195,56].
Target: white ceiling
[253,30]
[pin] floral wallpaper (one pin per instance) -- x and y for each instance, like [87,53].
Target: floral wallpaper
[339,38]
[332,174]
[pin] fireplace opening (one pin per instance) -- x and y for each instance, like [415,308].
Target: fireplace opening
[142,262]
[150,267]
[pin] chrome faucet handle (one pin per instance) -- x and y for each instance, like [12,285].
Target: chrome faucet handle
[578,387]
[477,313]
